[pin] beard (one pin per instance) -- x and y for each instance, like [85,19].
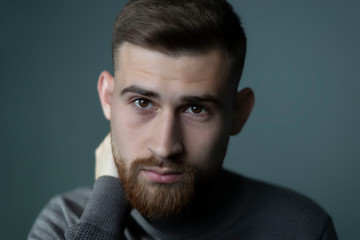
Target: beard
[156,200]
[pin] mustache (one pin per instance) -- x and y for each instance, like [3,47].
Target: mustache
[180,166]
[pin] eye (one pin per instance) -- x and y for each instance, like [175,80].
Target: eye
[195,109]
[143,103]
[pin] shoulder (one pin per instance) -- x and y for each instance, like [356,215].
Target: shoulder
[69,205]
[264,195]
[73,201]
[62,211]
[275,210]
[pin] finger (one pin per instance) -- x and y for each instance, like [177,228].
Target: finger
[99,155]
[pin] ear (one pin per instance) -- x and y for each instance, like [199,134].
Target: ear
[105,89]
[244,102]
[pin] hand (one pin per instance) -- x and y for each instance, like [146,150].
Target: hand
[104,160]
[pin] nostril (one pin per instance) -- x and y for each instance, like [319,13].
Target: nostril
[166,151]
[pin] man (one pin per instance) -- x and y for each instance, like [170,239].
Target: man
[172,105]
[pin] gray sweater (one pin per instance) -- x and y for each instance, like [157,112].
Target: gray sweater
[233,207]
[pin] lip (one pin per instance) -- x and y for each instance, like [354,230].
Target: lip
[162,175]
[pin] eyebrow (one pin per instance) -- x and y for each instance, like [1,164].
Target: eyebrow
[184,99]
[139,90]
[203,98]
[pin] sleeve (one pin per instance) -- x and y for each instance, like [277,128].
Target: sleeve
[104,216]
[329,232]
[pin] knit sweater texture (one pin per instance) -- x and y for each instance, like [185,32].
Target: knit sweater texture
[233,207]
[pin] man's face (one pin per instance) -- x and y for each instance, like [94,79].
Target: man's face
[171,119]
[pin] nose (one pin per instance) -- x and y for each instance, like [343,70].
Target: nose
[166,140]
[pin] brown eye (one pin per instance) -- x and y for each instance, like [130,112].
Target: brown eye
[143,103]
[195,109]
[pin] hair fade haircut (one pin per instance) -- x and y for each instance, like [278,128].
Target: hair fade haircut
[178,27]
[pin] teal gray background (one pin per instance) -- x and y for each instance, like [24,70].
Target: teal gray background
[303,64]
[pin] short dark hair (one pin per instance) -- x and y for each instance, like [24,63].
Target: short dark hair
[177,27]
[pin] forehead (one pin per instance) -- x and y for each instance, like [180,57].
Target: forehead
[206,71]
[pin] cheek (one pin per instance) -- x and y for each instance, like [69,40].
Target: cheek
[207,147]
[127,132]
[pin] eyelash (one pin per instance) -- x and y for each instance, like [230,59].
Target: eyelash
[204,109]
[137,102]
